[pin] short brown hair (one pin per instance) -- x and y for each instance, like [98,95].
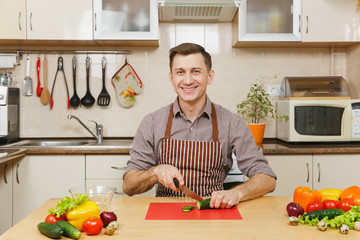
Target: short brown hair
[187,49]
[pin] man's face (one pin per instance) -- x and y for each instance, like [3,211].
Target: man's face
[190,77]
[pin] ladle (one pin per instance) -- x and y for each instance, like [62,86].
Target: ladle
[75,100]
[88,100]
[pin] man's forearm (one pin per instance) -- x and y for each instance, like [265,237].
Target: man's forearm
[256,186]
[139,181]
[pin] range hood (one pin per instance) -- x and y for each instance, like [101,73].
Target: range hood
[197,10]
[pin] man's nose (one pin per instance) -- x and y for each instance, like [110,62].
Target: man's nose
[188,78]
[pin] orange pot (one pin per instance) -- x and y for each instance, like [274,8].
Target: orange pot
[257,131]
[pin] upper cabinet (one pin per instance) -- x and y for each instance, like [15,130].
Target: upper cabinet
[268,20]
[330,21]
[126,20]
[59,20]
[13,19]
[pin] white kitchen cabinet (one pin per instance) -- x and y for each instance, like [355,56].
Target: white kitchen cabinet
[330,21]
[59,20]
[126,20]
[108,170]
[336,170]
[36,178]
[267,21]
[5,196]
[292,171]
[12,19]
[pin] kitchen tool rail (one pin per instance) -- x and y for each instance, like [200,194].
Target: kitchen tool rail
[21,52]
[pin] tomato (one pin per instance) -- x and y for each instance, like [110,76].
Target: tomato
[329,204]
[316,205]
[53,219]
[346,203]
[92,226]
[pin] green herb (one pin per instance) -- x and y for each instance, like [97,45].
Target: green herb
[68,203]
[348,218]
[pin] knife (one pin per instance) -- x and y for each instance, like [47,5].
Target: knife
[187,191]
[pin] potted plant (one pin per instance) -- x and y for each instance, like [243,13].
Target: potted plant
[256,108]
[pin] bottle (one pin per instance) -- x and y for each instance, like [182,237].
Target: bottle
[27,84]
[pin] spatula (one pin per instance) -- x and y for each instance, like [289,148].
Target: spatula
[104,97]
[45,94]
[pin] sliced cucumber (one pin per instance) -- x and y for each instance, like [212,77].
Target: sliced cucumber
[203,204]
[187,208]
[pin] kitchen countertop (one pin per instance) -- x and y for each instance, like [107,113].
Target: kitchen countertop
[263,218]
[123,146]
[7,154]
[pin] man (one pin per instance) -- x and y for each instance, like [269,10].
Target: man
[193,140]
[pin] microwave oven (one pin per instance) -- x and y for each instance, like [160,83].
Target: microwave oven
[319,120]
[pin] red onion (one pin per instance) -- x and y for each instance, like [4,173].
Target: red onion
[108,217]
[294,209]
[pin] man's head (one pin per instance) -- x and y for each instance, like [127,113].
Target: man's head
[187,49]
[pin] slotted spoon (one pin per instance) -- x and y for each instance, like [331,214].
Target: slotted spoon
[104,97]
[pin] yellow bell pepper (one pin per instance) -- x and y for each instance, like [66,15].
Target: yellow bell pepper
[82,212]
[331,193]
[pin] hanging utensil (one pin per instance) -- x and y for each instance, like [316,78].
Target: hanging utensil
[75,100]
[27,83]
[88,100]
[45,94]
[60,67]
[38,88]
[104,97]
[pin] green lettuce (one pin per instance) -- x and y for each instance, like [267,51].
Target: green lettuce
[68,203]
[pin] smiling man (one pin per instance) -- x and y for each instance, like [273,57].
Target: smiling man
[193,140]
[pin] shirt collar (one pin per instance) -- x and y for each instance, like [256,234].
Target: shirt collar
[205,112]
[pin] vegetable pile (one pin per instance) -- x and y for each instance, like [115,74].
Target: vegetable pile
[71,216]
[326,208]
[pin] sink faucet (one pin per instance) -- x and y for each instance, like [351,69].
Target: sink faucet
[99,129]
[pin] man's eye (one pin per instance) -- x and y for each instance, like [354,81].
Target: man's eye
[179,72]
[197,71]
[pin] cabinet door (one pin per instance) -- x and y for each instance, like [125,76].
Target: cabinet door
[59,20]
[292,171]
[5,196]
[126,20]
[336,171]
[36,178]
[330,21]
[269,20]
[12,19]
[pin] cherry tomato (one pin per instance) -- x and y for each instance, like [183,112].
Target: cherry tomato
[346,203]
[316,205]
[53,219]
[329,204]
[92,226]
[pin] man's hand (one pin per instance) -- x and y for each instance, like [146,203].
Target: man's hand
[225,198]
[166,173]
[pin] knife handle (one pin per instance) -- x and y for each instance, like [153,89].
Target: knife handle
[176,182]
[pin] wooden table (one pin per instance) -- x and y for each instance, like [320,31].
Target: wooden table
[263,218]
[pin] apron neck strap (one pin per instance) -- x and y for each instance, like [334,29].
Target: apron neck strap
[213,119]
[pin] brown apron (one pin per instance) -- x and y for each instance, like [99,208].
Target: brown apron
[200,163]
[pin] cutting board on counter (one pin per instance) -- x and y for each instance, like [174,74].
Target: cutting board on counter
[173,211]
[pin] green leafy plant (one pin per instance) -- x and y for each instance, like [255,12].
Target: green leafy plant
[258,105]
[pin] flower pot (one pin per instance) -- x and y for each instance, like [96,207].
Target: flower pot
[257,130]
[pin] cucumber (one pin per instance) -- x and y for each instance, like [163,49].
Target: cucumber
[69,230]
[50,230]
[203,204]
[187,208]
[320,214]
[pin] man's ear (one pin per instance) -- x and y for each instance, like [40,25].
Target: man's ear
[211,76]
[170,76]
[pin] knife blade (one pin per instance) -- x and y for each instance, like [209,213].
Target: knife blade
[187,191]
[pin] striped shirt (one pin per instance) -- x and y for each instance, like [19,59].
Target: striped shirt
[234,136]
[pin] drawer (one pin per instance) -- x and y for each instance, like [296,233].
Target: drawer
[106,166]
[118,185]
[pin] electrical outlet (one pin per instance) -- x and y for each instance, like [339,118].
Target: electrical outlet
[274,90]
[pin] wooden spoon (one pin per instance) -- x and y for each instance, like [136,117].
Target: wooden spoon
[45,94]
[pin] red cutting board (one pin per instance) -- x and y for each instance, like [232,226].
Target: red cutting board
[173,211]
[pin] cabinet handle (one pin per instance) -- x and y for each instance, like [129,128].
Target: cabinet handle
[95,22]
[19,21]
[318,172]
[5,180]
[118,168]
[31,21]
[17,173]
[307,24]
[308,172]
[299,23]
